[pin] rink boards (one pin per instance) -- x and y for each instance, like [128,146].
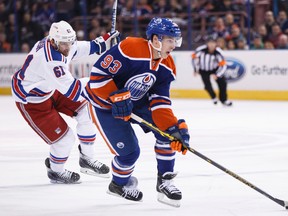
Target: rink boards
[256,75]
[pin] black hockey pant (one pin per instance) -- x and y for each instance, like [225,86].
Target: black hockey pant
[221,82]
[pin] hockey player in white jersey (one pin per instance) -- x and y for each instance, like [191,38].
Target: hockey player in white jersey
[44,87]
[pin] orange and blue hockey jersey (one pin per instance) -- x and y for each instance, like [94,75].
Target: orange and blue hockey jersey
[131,64]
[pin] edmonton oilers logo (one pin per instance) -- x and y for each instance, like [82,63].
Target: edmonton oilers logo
[235,70]
[140,84]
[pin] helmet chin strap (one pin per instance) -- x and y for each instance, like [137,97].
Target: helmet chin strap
[158,49]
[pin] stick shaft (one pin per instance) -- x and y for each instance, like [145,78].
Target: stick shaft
[229,172]
[114,16]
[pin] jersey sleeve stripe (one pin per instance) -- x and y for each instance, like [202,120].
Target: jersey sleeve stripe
[17,90]
[160,106]
[99,78]
[95,99]
[156,103]
[95,72]
[74,91]
[37,92]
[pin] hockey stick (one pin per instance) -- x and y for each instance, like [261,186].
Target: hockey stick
[164,134]
[113,24]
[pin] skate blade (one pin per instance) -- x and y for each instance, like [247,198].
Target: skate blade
[90,172]
[117,195]
[59,182]
[165,200]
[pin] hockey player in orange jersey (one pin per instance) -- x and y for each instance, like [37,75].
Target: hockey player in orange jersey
[135,76]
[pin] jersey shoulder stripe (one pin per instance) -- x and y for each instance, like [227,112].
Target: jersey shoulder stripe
[169,64]
[135,48]
[51,54]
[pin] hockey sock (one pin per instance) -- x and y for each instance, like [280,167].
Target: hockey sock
[87,145]
[123,167]
[165,157]
[59,151]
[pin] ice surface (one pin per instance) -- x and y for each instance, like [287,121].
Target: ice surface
[250,139]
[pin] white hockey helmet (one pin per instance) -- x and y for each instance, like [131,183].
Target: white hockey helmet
[62,32]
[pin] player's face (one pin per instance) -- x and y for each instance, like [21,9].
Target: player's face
[168,45]
[64,47]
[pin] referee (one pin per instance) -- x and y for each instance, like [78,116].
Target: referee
[208,60]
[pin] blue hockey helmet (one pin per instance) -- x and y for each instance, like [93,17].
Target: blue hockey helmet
[164,27]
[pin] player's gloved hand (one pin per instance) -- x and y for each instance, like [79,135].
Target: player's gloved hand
[180,132]
[104,42]
[121,104]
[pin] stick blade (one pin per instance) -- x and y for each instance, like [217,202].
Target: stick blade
[282,203]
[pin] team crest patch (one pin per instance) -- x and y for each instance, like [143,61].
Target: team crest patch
[140,84]
[58,130]
[120,145]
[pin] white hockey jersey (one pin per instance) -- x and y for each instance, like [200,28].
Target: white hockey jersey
[46,70]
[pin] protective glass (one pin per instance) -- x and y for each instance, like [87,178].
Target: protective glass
[175,41]
[66,44]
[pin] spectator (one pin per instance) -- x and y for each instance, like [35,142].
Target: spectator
[235,34]
[11,31]
[231,45]
[43,14]
[281,18]
[283,42]
[127,15]
[242,44]
[225,6]
[176,8]
[269,20]
[25,48]
[268,45]
[17,8]
[94,8]
[65,9]
[128,10]
[257,42]
[143,11]
[283,21]
[276,33]
[219,29]
[2,27]
[262,31]
[143,8]
[5,46]
[160,8]
[31,32]
[95,26]
[221,42]
[229,22]
[3,12]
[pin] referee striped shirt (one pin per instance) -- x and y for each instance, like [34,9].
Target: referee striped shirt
[214,62]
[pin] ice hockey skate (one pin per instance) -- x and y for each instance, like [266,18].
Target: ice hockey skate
[128,191]
[65,177]
[92,167]
[227,103]
[168,193]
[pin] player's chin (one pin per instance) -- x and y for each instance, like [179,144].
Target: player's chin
[165,55]
[66,53]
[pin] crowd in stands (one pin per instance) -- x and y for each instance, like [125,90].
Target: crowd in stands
[23,22]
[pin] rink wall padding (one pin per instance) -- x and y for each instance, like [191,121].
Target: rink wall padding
[251,75]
